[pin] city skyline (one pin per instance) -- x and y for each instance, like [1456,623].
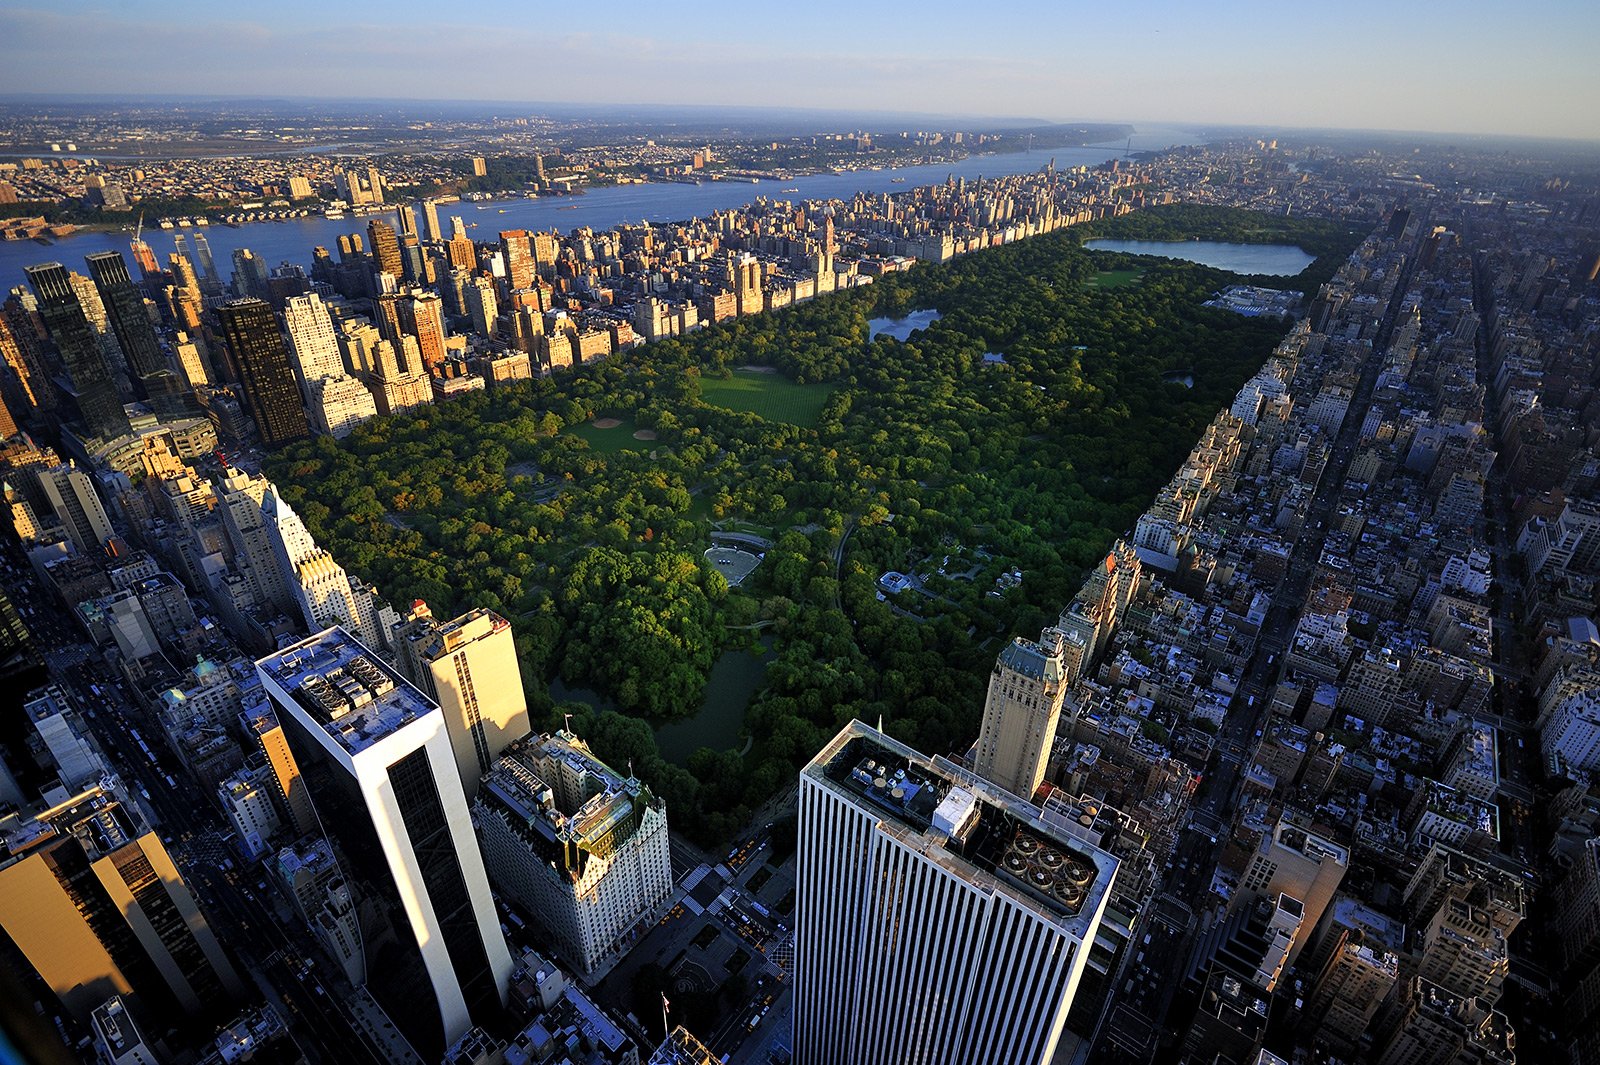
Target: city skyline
[1482,71]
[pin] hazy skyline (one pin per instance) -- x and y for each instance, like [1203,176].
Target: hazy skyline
[1471,67]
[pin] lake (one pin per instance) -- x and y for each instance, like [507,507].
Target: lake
[600,208]
[735,677]
[1278,260]
[901,328]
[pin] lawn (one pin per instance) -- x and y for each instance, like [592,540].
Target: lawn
[767,395]
[612,440]
[1116,278]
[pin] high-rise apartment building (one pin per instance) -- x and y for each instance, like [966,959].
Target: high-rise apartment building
[430,222]
[90,897]
[262,723]
[313,341]
[1466,910]
[577,845]
[939,918]
[321,588]
[1020,716]
[1431,1026]
[377,763]
[92,388]
[1357,965]
[262,360]
[422,316]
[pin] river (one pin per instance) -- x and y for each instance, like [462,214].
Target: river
[292,241]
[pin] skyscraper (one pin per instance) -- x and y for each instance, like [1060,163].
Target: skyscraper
[385,248]
[73,497]
[422,315]
[1295,861]
[135,334]
[320,586]
[91,386]
[377,763]
[91,898]
[430,222]
[939,919]
[252,333]
[1020,716]
[469,666]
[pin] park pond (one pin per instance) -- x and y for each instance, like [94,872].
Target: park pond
[1277,260]
[901,328]
[735,678]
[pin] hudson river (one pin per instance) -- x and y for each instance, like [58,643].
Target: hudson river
[600,208]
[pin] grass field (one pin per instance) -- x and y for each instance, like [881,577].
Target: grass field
[767,395]
[1116,278]
[610,441]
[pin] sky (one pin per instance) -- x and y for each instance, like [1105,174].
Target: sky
[1458,66]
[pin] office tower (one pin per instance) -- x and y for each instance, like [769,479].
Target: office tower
[252,334]
[76,503]
[430,222]
[1020,716]
[422,316]
[246,801]
[577,845]
[135,334]
[377,763]
[385,248]
[191,360]
[90,897]
[413,262]
[8,424]
[469,667]
[1294,861]
[939,917]
[459,250]
[482,306]
[407,218]
[24,381]
[90,385]
[145,256]
[1431,1026]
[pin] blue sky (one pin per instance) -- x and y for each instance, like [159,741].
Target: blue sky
[1466,66]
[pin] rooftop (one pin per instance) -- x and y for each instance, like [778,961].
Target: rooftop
[968,825]
[348,690]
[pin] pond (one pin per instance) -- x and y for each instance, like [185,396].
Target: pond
[1277,260]
[735,677]
[1178,377]
[902,328]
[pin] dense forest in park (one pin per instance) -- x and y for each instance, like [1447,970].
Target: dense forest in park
[924,457]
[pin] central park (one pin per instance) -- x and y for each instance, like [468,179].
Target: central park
[994,455]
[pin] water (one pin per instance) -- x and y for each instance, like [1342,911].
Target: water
[735,678]
[1176,378]
[901,328]
[292,241]
[1278,260]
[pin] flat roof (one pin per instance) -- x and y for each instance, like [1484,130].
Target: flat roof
[968,825]
[345,688]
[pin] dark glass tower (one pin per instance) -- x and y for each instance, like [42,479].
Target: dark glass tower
[252,333]
[135,334]
[385,249]
[90,383]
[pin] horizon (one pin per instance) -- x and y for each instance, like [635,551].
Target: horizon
[1478,73]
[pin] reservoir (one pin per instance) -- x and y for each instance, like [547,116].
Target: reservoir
[601,208]
[1280,260]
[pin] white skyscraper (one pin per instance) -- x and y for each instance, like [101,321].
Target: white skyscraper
[320,587]
[378,767]
[939,920]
